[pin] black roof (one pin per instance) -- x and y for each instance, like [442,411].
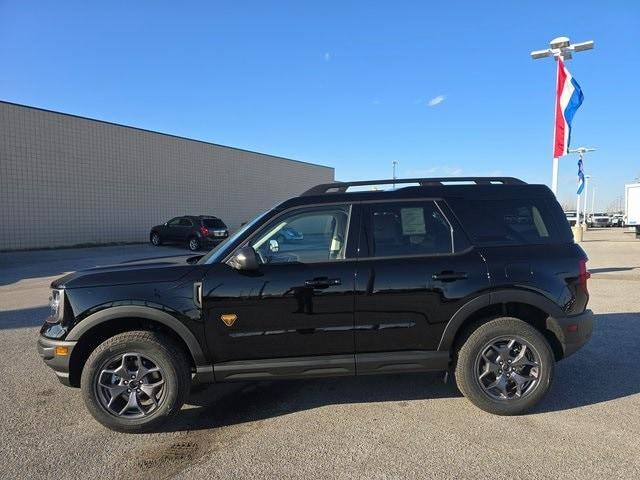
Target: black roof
[464,187]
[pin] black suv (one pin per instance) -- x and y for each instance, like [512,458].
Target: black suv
[195,231]
[479,277]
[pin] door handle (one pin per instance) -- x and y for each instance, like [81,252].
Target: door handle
[322,282]
[449,276]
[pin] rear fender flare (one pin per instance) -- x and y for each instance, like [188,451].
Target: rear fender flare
[496,297]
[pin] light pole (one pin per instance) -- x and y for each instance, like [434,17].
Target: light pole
[586,198]
[395,164]
[581,152]
[560,48]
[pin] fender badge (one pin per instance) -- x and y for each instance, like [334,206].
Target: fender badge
[228,318]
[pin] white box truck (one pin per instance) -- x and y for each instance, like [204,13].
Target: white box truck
[632,206]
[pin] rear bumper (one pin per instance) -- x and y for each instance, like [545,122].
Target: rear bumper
[58,363]
[213,240]
[572,332]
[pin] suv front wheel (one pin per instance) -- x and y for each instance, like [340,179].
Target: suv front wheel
[133,381]
[505,366]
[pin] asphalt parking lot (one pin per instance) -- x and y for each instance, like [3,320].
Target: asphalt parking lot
[409,426]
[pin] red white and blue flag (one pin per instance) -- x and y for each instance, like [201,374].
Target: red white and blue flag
[568,99]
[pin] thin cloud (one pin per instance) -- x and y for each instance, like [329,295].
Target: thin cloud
[327,56]
[436,100]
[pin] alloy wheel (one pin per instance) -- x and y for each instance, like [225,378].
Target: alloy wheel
[508,368]
[130,385]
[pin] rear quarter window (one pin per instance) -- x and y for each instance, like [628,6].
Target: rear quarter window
[213,223]
[509,221]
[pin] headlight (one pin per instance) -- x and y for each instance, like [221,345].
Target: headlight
[56,305]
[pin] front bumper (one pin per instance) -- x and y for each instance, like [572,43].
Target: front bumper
[58,363]
[572,331]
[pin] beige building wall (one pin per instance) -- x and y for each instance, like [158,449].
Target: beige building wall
[67,180]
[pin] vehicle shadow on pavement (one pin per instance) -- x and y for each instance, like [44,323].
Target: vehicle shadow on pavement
[583,379]
[233,404]
[605,369]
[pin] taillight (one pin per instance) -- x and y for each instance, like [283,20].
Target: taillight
[204,230]
[584,273]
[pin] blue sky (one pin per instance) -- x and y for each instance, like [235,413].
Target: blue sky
[445,88]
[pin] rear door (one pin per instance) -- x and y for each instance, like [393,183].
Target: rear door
[415,270]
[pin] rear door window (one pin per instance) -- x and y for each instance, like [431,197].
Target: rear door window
[408,229]
[507,221]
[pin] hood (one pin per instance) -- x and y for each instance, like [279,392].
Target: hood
[168,269]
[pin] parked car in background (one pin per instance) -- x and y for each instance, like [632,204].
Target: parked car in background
[195,231]
[481,280]
[289,234]
[571,217]
[617,220]
[599,220]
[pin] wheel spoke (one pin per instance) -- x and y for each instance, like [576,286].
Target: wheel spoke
[132,403]
[115,391]
[504,352]
[521,359]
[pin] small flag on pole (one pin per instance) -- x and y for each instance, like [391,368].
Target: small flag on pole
[569,97]
[580,177]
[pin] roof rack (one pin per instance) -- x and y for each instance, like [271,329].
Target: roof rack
[341,187]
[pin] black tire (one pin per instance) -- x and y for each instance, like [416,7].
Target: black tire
[173,367]
[155,239]
[194,244]
[470,360]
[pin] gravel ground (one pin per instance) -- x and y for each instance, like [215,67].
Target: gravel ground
[411,426]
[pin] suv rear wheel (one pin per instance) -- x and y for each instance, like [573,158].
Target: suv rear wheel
[505,366]
[134,381]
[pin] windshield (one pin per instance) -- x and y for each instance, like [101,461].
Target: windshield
[217,253]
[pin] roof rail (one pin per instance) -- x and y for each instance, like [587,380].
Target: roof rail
[341,187]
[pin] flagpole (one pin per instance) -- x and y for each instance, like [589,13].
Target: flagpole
[578,221]
[560,48]
[555,165]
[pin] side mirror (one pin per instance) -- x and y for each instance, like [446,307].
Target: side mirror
[245,259]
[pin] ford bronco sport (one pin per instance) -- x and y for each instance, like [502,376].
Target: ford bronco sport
[477,277]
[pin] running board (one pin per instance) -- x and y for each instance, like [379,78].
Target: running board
[332,365]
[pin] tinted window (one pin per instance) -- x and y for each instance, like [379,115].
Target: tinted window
[408,229]
[213,223]
[309,236]
[174,221]
[507,221]
[185,222]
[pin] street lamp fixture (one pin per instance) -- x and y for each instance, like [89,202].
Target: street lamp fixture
[562,47]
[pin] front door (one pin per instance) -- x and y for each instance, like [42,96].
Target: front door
[296,308]
[415,272]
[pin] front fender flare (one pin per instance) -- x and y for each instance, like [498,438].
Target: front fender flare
[147,313]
